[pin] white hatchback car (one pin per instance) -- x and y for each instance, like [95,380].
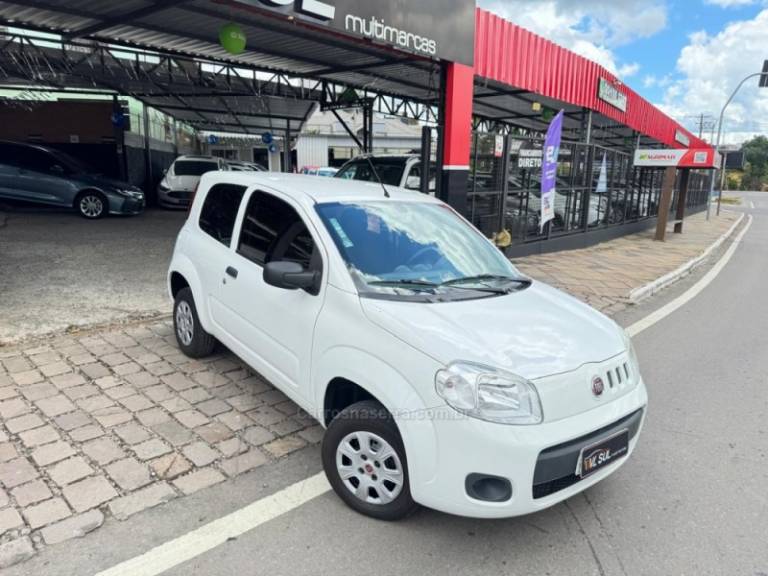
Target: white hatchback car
[443,376]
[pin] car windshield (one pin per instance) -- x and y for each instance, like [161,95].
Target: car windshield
[194,167]
[389,170]
[416,249]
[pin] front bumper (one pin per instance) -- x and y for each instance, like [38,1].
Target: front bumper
[467,446]
[175,198]
[127,206]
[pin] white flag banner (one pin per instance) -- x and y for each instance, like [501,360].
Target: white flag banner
[602,182]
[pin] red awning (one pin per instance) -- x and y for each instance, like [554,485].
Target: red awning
[507,53]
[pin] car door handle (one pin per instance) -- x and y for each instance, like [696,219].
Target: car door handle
[232,272]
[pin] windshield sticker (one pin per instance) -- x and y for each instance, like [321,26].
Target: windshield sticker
[374,224]
[342,235]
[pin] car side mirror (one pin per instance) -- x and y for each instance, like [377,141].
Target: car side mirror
[290,276]
[57,169]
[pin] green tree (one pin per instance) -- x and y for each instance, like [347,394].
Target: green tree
[756,169]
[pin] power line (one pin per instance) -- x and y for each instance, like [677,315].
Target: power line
[704,122]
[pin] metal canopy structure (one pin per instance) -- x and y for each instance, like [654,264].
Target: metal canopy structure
[290,49]
[205,95]
[499,108]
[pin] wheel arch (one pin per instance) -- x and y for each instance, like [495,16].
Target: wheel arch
[347,368]
[85,191]
[181,274]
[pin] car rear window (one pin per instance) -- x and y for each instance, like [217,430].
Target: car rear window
[219,212]
[194,167]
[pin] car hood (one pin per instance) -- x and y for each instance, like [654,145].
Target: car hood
[533,333]
[105,182]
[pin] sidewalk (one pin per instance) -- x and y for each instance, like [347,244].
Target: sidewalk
[605,274]
[109,423]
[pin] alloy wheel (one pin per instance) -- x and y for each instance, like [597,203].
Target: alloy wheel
[185,323]
[91,206]
[369,467]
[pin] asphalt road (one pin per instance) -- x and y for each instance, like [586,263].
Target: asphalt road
[693,500]
[58,270]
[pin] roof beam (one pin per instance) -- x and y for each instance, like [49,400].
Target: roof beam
[126,18]
[194,108]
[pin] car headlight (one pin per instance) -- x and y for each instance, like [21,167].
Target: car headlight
[129,193]
[164,186]
[489,394]
[632,354]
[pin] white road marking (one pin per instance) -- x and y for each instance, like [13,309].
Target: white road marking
[693,291]
[172,553]
[752,205]
[207,537]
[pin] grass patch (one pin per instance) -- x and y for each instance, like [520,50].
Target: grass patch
[732,200]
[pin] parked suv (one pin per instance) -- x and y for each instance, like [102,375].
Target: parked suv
[402,171]
[443,376]
[177,187]
[46,176]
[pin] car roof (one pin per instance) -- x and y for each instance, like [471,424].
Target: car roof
[364,157]
[198,157]
[28,145]
[313,190]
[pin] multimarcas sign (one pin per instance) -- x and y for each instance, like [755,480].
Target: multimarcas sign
[442,29]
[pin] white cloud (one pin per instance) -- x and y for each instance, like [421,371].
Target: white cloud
[730,3]
[711,66]
[628,70]
[592,28]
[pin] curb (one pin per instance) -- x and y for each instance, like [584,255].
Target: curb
[643,292]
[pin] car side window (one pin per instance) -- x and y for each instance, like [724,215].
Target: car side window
[273,231]
[349,173]
[35,160]
[219,212]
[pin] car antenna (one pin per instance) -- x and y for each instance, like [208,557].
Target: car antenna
[378,178]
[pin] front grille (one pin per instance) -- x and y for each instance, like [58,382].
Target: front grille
[618,376]
[556,466]
[180,195]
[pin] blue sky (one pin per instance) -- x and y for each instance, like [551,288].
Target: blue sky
[685,56]
[657,55]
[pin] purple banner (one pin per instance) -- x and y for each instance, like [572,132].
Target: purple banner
[549,169]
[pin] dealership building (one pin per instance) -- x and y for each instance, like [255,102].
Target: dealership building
[482,89]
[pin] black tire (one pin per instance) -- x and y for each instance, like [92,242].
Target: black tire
[193,340]
[367,417]
[91,205]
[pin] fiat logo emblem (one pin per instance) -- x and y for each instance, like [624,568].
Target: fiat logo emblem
[597,386]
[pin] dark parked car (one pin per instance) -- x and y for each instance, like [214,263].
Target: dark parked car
[42,175]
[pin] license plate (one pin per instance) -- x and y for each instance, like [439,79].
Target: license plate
[603,453]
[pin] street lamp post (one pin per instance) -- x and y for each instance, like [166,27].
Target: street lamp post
[717,143]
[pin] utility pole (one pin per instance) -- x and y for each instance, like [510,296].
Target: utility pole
[704,122]
[763,84]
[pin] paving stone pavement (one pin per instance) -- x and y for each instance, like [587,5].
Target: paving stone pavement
[111,422]
[603,275]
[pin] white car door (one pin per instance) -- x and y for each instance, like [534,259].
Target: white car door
[214,246]
[272,328]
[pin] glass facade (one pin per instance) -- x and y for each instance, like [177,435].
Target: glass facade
[597,187]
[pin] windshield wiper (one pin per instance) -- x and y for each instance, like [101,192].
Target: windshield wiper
[481,278]
[404,282]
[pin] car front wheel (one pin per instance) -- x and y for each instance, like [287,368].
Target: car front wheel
[190,336]
[364,460]
[92,205]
